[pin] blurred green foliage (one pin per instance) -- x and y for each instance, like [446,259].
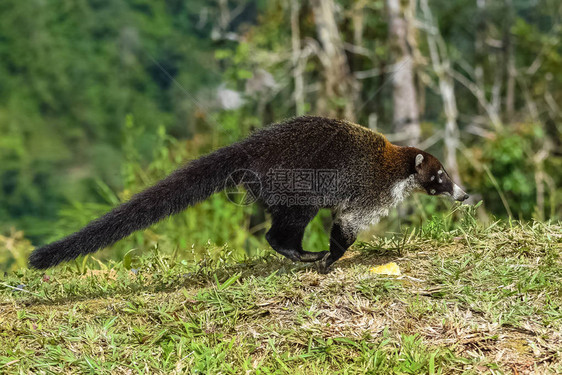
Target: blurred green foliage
[71,71]
[510,165]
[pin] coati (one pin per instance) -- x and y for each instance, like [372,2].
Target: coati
[297,167]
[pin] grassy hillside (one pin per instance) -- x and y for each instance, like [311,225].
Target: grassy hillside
[473,299]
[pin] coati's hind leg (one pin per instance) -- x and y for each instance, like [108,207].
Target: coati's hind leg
[342,236]
[287,231]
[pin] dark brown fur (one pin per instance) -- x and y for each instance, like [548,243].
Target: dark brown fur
[373,175]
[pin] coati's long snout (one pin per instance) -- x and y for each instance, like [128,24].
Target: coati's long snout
[459,194]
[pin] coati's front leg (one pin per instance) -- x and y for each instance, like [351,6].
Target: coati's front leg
[287,231]
[342,236]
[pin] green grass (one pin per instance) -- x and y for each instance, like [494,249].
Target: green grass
[470,300]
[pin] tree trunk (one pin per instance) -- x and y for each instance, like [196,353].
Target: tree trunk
[340,87]
[298,62]
[509,62]
[406,113]
[479,47]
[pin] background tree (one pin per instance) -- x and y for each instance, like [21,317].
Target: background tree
[405,103]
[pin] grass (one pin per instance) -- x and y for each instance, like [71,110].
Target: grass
[472,299]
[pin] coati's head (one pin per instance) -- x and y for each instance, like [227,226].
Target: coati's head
[432,177]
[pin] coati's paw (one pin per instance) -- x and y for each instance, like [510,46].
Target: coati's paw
[308,256]
[323,265]
[293,255]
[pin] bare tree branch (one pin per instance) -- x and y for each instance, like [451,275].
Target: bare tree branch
[442,66]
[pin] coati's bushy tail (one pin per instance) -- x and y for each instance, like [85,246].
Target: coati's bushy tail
[184,187]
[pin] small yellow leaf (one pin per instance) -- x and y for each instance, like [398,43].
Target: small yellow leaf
[386,269]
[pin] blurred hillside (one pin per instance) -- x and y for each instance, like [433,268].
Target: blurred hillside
[100,98]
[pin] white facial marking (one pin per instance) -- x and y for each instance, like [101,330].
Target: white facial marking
[458,192]
[432,191]
[440,171]
[432,178]
[440,180]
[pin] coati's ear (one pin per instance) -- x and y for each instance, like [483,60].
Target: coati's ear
[419,160]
